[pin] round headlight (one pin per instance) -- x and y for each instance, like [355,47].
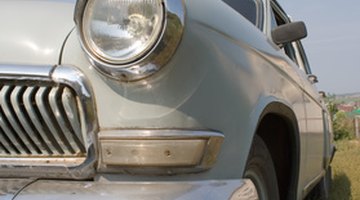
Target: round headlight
[121,31]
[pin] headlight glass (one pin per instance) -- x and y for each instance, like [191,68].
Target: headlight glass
[121,31]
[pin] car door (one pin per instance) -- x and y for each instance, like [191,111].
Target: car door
[312,140]
[315,115]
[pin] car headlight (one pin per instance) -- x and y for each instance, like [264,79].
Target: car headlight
[121,31]
[124,38]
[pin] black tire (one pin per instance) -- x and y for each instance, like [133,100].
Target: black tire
[260,170]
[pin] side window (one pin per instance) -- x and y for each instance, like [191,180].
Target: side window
[279,18]
[250,9]
[302,58]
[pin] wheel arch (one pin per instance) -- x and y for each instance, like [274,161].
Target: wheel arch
[283,143]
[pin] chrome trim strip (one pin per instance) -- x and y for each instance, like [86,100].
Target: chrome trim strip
[35,71]
[213,143]
[37,162]
[151,134]
[151,62]
[75,167]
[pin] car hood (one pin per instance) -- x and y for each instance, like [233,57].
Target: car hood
[33,31]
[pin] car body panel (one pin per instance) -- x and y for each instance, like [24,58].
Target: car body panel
[167,101]
[223,77]
[27,37]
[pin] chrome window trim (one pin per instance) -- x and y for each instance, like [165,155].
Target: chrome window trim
[78,168]
[152,61]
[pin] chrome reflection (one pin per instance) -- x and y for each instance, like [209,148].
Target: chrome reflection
[34,47]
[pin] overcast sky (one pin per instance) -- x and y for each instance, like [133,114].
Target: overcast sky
[333,42]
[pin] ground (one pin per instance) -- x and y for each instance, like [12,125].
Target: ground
[346,171]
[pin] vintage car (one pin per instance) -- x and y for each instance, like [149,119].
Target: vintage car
[158,99]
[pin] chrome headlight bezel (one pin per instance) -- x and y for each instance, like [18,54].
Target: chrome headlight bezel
[153,58]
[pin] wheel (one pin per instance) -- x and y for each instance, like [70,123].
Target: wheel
[260,170]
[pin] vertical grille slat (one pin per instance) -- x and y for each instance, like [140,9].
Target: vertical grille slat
[69,104]
[7,144]
[3,149]
[72,120]
[14,139]
[28,99]
[26,122]
[5,125]
[47,118]
[54,98]
[15,120]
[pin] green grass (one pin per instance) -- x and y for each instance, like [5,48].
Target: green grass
[346,171]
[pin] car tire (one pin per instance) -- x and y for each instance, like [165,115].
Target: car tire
[260,170]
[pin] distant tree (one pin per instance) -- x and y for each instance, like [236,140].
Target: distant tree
[343,126]
[332,107]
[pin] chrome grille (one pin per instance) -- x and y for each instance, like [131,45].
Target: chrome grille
[39,119]
[48,122]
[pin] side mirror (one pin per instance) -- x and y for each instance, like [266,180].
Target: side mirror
[289,32]
[322,94]
[312,78]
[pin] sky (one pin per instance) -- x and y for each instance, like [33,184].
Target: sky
[333,42]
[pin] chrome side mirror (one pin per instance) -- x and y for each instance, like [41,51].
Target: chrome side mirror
[312,78]
[322,94]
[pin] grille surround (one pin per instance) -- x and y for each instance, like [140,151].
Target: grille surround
[47,122]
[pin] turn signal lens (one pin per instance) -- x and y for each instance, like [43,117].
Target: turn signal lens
[158,151]
[153,152]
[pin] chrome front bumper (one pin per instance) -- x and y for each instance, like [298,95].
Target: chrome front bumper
[89,190]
